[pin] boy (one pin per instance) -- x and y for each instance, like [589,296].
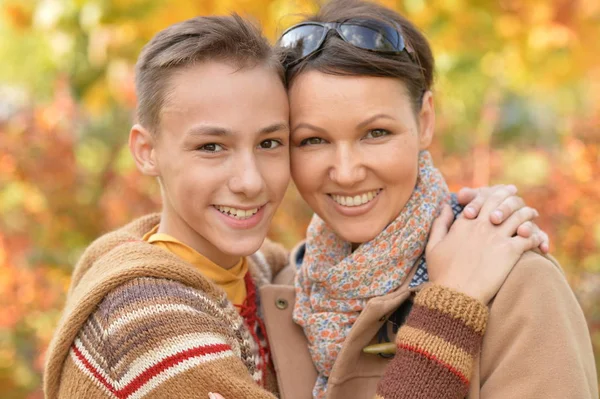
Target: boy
[148,319]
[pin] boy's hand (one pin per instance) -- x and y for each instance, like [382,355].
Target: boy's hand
[474,198]
[474,256]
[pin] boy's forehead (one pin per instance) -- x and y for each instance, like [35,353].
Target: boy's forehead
[214,81]
[225,95]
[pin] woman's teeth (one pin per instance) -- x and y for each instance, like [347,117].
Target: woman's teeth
[355,200]
[237,213]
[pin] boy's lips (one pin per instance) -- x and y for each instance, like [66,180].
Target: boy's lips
[241,218]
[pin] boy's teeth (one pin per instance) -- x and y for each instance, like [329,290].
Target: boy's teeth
[356,200]
[237,213]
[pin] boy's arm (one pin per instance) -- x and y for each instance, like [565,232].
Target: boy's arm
[436,347]
[152,336]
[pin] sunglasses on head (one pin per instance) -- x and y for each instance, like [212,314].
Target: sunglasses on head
[306,38]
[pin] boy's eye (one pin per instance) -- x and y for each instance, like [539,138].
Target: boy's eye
[269,144]
[312,141]
[376,133]
[211,147]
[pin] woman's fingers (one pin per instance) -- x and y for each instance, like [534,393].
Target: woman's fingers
[495,199]
[520,217]
[474,199]
[212,395]
[509,206]
[440,226]
[466,196]
[523,244]
[545,245]
[528,228]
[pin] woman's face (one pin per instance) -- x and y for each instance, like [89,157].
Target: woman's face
[355,143]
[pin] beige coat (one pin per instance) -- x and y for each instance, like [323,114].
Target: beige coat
[537,344]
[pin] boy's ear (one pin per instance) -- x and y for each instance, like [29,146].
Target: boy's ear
[141,146]
[426,120]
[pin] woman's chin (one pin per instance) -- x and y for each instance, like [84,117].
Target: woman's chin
[357,235]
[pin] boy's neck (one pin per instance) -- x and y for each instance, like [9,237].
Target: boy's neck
[184,233]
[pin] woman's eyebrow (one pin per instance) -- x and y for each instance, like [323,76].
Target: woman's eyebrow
[308,126]
[373,119]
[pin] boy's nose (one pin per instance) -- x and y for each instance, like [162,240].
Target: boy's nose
[246,178]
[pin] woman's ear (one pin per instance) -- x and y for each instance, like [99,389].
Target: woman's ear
[426,121]
[142,147]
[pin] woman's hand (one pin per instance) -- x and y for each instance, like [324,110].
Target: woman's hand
[473,199]
[474,256]
[212,395]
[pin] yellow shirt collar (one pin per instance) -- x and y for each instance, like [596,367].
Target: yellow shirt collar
[230,280]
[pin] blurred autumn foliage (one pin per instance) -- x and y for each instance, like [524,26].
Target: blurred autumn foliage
[518,100]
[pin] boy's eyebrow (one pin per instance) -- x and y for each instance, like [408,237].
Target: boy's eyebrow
[274,128]
[208,130]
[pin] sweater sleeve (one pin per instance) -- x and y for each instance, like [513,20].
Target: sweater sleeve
[436,347]
[154,338]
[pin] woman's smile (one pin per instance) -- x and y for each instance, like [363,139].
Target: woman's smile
[355,204]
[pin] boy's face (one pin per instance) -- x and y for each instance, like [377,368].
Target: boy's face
[222,157]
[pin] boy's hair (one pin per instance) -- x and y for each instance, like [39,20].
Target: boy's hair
[231,39]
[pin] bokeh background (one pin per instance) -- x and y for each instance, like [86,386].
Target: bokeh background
[518,100]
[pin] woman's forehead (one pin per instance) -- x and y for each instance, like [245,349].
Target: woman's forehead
[315,93]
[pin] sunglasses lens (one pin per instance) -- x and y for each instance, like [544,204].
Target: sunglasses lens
[372,35]
[302,40]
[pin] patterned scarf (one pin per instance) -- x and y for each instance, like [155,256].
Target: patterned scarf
[334,284]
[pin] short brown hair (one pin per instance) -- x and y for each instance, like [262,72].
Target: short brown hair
[231,39]
[340,58]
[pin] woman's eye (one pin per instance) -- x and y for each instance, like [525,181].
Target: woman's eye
[269,144]
[211,147]
[312,141]
[376,133]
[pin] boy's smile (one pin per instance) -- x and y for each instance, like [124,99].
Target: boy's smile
[222,157]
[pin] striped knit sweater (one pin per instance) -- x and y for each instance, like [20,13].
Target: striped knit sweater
[436,347]
[140,322]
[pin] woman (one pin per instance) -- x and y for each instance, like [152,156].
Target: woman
[360,79]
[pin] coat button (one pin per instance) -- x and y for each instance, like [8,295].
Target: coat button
[281,303]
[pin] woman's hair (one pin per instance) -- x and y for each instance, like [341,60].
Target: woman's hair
[340,58]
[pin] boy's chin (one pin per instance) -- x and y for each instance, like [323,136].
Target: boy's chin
[244,247]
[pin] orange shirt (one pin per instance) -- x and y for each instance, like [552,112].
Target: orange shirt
[231,281]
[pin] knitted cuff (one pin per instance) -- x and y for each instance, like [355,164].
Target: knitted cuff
[470,311]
